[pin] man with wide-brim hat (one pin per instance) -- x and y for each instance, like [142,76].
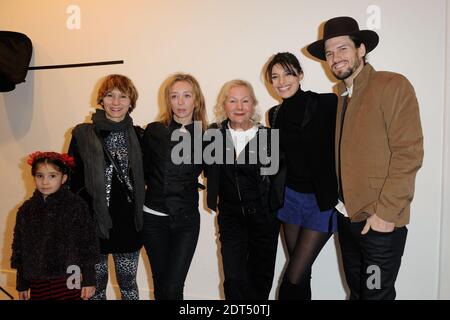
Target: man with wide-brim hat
[379,149]
[343,26]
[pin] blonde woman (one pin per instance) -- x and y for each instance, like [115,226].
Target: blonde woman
[171,216]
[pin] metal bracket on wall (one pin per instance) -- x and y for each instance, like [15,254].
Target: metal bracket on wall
[77,65]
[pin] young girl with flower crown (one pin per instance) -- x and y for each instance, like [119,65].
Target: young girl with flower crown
[55,247]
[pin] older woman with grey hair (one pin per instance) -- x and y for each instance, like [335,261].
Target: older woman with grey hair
[248,226]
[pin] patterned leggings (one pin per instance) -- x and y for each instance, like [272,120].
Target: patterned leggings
[126,265]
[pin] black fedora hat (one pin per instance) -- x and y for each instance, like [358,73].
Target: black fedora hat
[342,26]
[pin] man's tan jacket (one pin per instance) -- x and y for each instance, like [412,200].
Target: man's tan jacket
[381,146]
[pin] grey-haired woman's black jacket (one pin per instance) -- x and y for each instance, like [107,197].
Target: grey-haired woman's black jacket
[270,187]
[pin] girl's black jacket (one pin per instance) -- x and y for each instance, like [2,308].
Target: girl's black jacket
[52,234]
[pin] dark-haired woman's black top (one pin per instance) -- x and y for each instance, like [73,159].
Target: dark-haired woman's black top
[307,122]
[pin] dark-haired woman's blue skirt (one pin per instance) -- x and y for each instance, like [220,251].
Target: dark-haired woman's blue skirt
[302,209]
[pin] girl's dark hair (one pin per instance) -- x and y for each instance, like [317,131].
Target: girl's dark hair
[61,161]
[287,60]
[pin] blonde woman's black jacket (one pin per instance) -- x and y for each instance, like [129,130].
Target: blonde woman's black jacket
[171,188]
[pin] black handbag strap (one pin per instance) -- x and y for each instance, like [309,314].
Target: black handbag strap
[119,172]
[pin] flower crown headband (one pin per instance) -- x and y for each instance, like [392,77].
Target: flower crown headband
[63,157]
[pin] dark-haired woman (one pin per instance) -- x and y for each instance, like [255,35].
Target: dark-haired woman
[306,121]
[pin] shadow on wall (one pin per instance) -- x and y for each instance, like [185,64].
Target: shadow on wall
[323,64]
[267,84]
[19,122]
[15,126]
[87,119]
[68,133]
[10,274]
[10,223]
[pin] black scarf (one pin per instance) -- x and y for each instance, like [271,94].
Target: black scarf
[102,123]
[91,150]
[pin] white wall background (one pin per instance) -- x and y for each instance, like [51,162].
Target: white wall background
[218,41]
[444,274]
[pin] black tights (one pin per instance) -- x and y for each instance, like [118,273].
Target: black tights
[303,246]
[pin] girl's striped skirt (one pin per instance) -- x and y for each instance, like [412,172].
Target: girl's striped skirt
[54,289]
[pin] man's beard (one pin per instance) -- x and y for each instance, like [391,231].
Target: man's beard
[344,75]
[348,72]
